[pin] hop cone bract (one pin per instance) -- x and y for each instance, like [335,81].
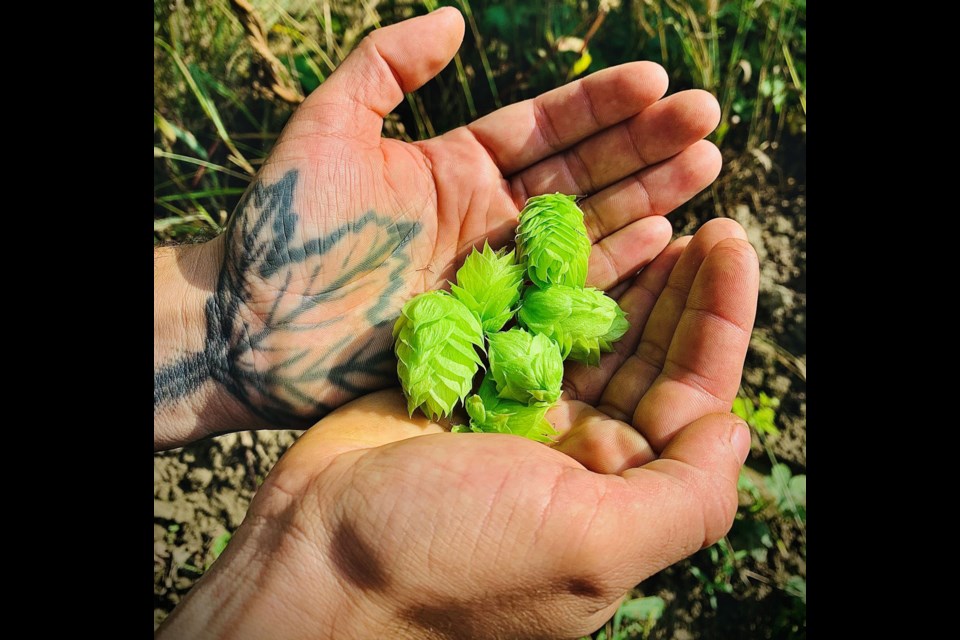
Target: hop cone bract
[491,414]
[583,322]
[489,284]
[552,241]
[526,367]
[435,339]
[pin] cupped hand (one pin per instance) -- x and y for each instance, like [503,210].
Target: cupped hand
[342,226]
[377,525]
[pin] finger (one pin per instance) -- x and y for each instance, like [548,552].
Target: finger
[619,290]
[621,255]
[371,82]
[682,502]
[655,191]
[641,368]
[520,134]
[702,369]
[658,132]
[598,442]
[586,383]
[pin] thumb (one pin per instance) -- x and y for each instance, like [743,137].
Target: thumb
[683,501]
[706,457]
[389,62]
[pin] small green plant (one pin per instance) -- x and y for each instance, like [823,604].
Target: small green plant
[797,587]
[219,544]
[635,618]
[725,561]
[559,317]
[762,416]
[790,621]
[789,491]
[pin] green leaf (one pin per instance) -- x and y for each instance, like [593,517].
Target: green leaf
[745,483]
[172,132]
[435,339]
[797,586]
[220,544]
[798,489]
[581,65]
[552,241]
[763,417]
[643,609]
[309,78]
[527,368]
[584,322]
[491,414]
[489,284]
[742,407]
[780,476]
[767,401]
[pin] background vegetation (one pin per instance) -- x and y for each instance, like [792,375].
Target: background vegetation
[228,74]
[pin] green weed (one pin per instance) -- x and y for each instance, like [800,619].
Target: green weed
[725,562]
[635,618]
[760,417]
[217,547]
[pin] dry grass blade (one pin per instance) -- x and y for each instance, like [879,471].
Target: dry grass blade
[280,83]
[208,108]
[761,340]
[160,153]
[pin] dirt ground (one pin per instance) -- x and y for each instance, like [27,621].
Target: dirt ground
[202,491]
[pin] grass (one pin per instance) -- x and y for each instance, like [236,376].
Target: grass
[227,80]
[217,108]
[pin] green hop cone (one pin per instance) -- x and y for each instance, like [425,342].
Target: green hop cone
[526,367]
[583,322]
[552,241]
[489,284]
[492,414]
[434,339]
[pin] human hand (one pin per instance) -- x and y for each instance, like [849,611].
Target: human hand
[342,226]
[377,525]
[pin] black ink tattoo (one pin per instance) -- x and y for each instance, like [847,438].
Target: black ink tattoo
[267,312]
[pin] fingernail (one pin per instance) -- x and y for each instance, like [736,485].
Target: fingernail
[740,440]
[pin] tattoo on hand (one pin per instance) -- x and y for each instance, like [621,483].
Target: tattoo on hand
[298,325]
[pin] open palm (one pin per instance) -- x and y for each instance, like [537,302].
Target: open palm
[395,528]
[342,226]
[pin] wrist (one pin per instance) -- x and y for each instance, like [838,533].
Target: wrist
[187,405]
[268,584]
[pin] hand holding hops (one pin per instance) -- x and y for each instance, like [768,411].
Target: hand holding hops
[437,332]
